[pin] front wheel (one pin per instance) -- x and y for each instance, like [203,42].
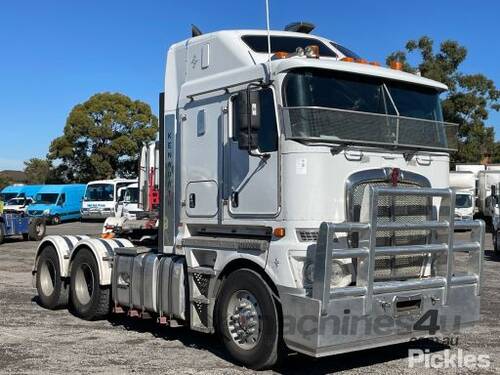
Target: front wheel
[89,299]
[247,320]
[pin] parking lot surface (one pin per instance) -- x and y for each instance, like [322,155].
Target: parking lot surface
[36,340]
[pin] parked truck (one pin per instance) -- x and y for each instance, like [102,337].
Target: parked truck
[298,196]
[137,215]
[486,180]
[464,185]
[102,197]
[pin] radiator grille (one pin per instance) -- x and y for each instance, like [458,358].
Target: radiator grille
[399,209]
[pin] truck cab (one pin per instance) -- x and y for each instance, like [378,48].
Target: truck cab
[128,204]
[102,197]
[305,185]
[464,185]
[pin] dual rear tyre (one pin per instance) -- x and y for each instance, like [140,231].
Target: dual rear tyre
[52,289]
[87,298]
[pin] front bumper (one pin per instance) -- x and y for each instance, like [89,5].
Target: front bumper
[326,321]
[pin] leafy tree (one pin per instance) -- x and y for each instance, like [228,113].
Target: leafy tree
[102,138]
[37,170]
[468,100]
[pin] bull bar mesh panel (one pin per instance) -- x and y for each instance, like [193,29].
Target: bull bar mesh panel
[367,250]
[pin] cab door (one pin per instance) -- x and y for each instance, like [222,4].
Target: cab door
[252,179]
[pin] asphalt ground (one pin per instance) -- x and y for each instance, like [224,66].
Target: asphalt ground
[34,340]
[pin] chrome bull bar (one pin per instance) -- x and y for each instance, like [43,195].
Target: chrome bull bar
[442,229]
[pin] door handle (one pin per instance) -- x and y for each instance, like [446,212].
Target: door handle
[192,200]
[235,199]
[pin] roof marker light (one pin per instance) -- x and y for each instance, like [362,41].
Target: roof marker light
[280,55]
[397,65]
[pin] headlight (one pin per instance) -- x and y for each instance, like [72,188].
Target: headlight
[46,212]
[341,274]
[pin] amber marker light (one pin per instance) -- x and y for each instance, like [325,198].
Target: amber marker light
[281,55]
[397,65]
[279,232]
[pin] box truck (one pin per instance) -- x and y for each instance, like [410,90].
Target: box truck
[304,197]
[464,185]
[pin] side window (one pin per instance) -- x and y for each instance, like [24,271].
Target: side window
[268,132]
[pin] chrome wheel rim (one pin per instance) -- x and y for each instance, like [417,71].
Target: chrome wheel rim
[244,319]
[84,284]
[39,229]
[47,277]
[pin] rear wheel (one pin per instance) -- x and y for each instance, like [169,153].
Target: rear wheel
[90,300]
[56,220]
[247,320]
[2,233]
[52,289]
[37,230]
[496,242]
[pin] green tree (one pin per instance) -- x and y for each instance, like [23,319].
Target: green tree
[102,138]
[37,170]
[468,101]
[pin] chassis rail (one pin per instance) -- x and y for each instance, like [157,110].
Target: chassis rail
[442,233]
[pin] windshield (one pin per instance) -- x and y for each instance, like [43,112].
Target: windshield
[46,198]
[5,197]
[132,195]
[100,193]
[463,201]
[338,106]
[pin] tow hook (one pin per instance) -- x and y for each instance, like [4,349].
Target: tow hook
[435,299]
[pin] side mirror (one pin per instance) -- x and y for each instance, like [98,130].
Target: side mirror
[247,107]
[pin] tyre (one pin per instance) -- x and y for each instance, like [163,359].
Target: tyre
[37,230]
[2,233]
[56,220]
[52,289]
[496,242]
[247,320]
[89,300]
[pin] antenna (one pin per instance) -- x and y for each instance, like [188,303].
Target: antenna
[268,40]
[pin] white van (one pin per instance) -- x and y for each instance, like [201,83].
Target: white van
[102,197]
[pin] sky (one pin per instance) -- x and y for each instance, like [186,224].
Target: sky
[56,54]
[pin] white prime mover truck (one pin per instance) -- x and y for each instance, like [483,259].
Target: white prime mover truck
[305,199]
[464,185]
